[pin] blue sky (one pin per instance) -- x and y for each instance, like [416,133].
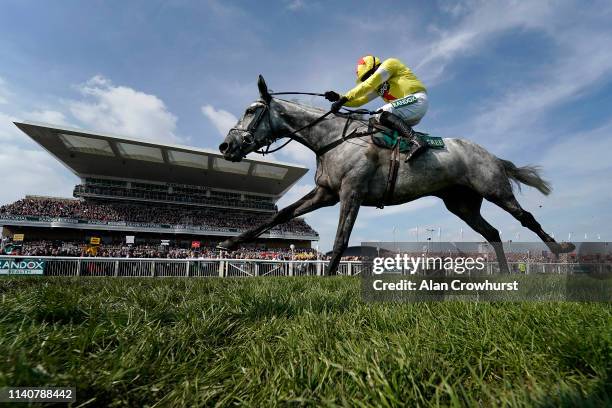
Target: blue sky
[530,81]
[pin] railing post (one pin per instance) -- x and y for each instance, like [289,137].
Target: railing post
[290,268]
[221,265]
[186,269]
[78,268]
[152,269]
[319,268]
[256,269]
[349,269]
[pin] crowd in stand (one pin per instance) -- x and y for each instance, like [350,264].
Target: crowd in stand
[180,195]
[72,249]
[77,249]
[210,218]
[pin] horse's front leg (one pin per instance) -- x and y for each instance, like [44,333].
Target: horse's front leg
[316,198]
[349,208]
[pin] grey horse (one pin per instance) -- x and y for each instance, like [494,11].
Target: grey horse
[354,173]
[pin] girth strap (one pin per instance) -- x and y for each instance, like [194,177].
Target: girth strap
[393,167]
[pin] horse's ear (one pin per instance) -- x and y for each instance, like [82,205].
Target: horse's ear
[263,89]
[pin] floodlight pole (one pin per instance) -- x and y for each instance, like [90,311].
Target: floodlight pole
[394,240]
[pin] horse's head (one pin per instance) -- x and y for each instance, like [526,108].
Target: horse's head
[253,130]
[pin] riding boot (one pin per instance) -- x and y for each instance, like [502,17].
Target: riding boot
[395,122]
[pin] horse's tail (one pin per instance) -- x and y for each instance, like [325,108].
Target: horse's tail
[529,175]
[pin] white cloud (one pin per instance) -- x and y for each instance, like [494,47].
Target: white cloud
[421,203]
[8,131]
[508,119]
[515,111]
[221,119]
[124,111]
[481,22]
[48,116]
[296,5]
[105,107]
[297,152]
[25,171]
[579,167]
[584,153]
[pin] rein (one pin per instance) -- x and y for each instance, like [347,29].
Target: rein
[292,136]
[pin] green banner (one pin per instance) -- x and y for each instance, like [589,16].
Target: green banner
[23,266]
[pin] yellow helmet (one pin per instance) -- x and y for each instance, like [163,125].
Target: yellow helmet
[365,65]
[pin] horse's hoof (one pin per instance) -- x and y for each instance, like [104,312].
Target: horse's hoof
[562,248]
[331,272]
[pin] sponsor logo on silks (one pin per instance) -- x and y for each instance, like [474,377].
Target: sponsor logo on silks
[409,100]
[383,91]
[383,88]
[25,267]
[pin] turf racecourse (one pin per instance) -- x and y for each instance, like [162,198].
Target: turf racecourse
[295,341]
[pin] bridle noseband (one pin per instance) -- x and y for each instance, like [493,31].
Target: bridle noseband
[249,132]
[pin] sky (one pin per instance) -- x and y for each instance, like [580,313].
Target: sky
[529,81]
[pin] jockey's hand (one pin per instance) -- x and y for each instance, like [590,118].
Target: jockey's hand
[332,96]
[338,104]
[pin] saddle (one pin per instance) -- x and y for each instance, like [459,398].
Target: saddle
[389,139]
[386,138]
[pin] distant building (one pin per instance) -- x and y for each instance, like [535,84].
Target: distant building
[154,192]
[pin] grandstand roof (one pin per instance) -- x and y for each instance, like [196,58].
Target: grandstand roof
[89,154]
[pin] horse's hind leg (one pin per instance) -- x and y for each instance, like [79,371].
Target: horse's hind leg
[508,202]
[465,204]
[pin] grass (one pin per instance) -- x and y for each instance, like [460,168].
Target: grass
[296,341]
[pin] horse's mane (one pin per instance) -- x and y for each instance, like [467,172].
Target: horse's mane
[303,106]
[319,111]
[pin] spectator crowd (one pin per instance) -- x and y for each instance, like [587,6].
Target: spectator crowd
[210,218]
[74,249]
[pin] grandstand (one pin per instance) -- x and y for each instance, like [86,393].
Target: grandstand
[153,192]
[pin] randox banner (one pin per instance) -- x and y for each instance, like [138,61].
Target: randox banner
[24,266]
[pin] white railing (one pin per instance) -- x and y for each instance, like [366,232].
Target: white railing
[205,267]
[193,267]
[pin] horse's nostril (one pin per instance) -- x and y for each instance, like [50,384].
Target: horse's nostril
[223,147]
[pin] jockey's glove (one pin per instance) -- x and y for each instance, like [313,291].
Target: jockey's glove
[338,104]
[332,96]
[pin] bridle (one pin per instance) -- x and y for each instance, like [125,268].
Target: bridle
[248,134]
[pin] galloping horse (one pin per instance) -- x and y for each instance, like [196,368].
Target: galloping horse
[355,174]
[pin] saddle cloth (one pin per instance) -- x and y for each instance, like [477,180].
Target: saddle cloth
[387,139]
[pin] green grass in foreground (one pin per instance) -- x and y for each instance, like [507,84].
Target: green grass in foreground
[296,341]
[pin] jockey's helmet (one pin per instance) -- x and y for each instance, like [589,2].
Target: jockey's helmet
[365,65]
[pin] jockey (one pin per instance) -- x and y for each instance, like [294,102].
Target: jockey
[405,96]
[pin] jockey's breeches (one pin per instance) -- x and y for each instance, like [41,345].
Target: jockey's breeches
[410,108]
